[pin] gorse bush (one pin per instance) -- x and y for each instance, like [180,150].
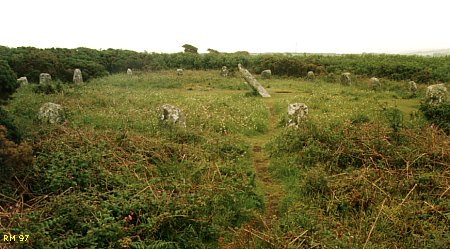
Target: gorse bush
[8,79]
[438,115]
[49,88]
[105,199]
[6,120]
[15,161]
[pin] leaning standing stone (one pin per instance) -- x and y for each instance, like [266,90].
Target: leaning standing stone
[77,76]
[129,71]
[266,74]
[179,71]
[224,72]
[375,83]
[45,78]
[346,79]
[436,94]
[172,114]
[252,82]
[22,81]
[51,113]
[297,112]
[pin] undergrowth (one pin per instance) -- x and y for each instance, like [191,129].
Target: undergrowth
[358,185]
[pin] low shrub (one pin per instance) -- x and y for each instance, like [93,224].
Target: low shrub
[438,115]
[8,79]
[15,160]
[12,132]
[49,88]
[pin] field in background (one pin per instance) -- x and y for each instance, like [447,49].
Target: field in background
[365,169]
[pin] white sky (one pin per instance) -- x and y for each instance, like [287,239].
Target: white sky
[341,26]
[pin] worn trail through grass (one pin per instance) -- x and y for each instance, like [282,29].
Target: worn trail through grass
[271,188]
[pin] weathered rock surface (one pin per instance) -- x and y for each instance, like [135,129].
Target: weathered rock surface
[51,113]
[412,86]
[375,83]
[266,74]
[77,76]
[129,71]
[436,94]
[45,78]
[179,71]
[173,115]
[224,72]
[253,82]
[22,81]
[297,112]
[346,79]
[310,75]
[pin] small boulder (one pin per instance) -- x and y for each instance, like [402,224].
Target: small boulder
[412,86]
[375,83]
[172,114]
[77,76]
[346,79]
[224,72]
[296,112]
[179,71]
[45,78]
[436,94]
[266,74]
[51,113]
[129,71]
[22,81]
[310,75]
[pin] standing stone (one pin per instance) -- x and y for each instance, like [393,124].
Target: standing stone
[22,81]
[346,79]
[297,112]
[253,82]
[172,114]
[310,75]
[51,113]
[330,77]
[375,83]
[129,71]
[45,78]
[77,76]
[224,72]
[179,71]
[412,87]
[266,74]
[436,94]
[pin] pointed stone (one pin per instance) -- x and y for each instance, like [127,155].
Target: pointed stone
[77,76]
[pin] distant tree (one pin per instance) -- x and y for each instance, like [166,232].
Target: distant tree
[242,53]
[8,79]
[190,49]
[213,51]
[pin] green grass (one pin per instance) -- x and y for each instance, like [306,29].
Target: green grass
[113,175]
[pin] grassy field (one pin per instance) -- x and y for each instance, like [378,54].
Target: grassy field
[365,170]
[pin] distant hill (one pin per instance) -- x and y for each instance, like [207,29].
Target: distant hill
[433,52]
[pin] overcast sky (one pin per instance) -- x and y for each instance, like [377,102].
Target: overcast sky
[340,26]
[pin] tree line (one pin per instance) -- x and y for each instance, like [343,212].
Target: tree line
[60,63]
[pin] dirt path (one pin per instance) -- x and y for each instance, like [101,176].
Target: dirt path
[271,189]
